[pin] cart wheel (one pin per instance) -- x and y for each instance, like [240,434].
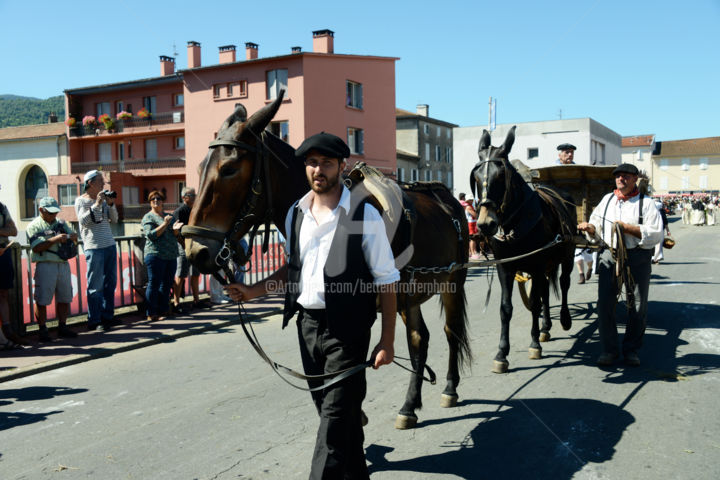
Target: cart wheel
[524,281]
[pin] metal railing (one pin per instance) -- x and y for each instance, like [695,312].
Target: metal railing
[131,275]
[129,165]
[118,126]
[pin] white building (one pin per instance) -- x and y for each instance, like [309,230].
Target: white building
[28,156]
[536,145]
[638,150]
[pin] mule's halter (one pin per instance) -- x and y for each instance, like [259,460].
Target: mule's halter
[247,214]
[485,165]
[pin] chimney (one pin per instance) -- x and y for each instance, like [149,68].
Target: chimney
[323,41]
[167,65]
[52,118]
[423,109]
[227,54]
[296,49]
[251,51]
[193,51]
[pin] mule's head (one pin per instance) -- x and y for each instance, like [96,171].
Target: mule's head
[490,181]
[226,177]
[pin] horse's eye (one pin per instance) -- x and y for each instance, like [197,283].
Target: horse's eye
[228,171]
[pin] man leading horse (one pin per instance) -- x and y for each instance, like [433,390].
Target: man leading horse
[339,258]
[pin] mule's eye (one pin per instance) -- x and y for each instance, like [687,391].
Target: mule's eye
[228,171]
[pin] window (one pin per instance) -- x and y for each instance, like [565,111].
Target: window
[427,152]
[664,163]
[663,183]
[438,131]
[131,195]
[102,108]
[703,182]
[36,187]
[597,153]
[216,91]
[428,175]
[703,164]
[129,108]
[67,194]
[685,164]
[229,92]
[179,143]
[533,153]
[448,154]
[639,153]
[356,141]
[276,81]
[438,176]
[121,151]
[180,185]
[449,179]
[414,175]
[685,183]
[354,95]
[105,152]
[426,129]
[150,104]
[280,130]
[438,153]
[179,99]
[118,106]
[400,174]
[151,149]
[448,131]
[242,88]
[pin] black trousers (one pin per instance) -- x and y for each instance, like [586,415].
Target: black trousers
[339,452]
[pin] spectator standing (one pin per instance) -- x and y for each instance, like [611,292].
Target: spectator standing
[9,338]
[641,227]
[658,257]
[95,211]
[182,215]
[471,217]
[160,253]
[52,271]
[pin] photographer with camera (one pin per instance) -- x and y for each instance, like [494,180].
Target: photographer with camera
[52,243]
[95,211]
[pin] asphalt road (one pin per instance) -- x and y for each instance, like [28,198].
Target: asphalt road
[206,407]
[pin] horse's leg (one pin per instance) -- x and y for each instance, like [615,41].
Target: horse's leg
[418,339]
[537,296]
[456,334]
[567,269]
[506,277]
[547,322]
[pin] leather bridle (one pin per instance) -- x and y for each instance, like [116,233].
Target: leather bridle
[247,214]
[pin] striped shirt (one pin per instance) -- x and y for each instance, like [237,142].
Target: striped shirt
[95,223]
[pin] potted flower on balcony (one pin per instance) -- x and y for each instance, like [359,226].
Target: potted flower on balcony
[89,122]
[123,115]
[70,122]
[144,113]
[107,122]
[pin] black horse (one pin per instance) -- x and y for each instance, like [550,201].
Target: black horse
[518,219]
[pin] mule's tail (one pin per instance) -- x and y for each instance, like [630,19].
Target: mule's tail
[552,277]
[456,321]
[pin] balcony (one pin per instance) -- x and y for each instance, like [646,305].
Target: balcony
[166,118]
[130,166]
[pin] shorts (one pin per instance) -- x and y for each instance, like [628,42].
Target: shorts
[184,267]
[52,279]
[7,272]
[472,228]
[583,254]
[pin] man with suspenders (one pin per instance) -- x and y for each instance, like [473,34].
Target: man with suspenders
[642,228]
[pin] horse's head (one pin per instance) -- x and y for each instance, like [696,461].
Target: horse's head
[233,193]
[490,182]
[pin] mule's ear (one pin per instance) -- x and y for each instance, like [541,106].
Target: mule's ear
[239,115]
[484,141]
[262,117]
[509,140]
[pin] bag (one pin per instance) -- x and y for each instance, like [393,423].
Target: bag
[668,242]
[66,250]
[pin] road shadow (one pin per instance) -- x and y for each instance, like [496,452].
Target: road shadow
[10,396]
[532,438]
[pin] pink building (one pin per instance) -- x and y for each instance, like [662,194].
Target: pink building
[352,96]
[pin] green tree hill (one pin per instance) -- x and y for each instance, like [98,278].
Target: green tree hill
[16,111]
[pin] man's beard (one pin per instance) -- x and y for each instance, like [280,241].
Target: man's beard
[330,183]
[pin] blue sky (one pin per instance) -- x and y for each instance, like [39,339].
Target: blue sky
[638,67]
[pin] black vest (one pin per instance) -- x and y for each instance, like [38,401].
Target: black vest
[350,299]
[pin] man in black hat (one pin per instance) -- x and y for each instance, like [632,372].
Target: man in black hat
[339,258]
[566,154]
[641,228]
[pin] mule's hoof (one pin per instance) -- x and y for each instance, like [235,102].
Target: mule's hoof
[534,353]
[448,401]
[403,422]
[544,336]
[500,367]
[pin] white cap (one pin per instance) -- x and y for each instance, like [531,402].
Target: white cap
[90,175]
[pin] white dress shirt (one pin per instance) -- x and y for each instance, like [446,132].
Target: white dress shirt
[316,239]
[651,230]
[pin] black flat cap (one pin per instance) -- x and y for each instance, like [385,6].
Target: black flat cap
[567,146]
[626,168]
[325,143]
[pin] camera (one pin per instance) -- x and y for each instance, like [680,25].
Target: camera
[109,193]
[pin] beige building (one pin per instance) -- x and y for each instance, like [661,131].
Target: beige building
[684,166]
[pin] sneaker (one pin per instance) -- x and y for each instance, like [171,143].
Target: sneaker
[65,332]
[606,359]
[44,335]
[581,280]
[632,359]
